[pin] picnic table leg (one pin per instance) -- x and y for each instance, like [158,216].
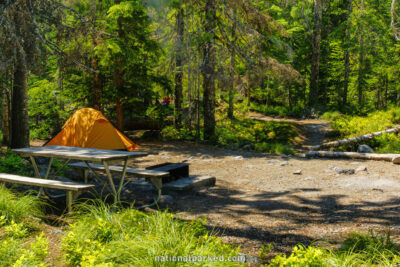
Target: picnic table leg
[37,173]
[69,201]
[100,180]
[110,180]
[157,182]
[121,182]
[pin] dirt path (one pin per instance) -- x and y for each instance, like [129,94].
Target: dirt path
[314,130]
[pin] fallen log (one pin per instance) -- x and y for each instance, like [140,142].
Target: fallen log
[395,158]
[356,139]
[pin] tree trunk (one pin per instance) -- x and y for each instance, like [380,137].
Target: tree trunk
[248,85]
[95,62]
[19,107]
[120,114]
[360,87]
[189,58]
[119,81]
[356,139]
[386,88]
[180,28]
[316,53]
[6,118]
[232,70]
[347,55]
[354,155]
[209,70]
[96,83]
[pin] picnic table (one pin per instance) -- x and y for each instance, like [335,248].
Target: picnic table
[85,155]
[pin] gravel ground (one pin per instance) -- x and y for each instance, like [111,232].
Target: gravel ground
[259,200]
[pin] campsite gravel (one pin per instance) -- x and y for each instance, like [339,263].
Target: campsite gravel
[261,198]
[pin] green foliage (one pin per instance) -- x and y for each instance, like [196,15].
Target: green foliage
[16,252]
[350,126]
[100,236]
[331,115]
[262,136]
[16,208]
[282,111]
[357,250]
[18,221]
[13,163]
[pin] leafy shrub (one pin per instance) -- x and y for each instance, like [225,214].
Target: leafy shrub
[171,133]
[281,111]
[356,250]
[331,115]
[15,164]
[262,136]
[349,126]
[129,237]
[15,252]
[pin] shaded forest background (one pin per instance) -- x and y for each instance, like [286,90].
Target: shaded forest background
[215,59]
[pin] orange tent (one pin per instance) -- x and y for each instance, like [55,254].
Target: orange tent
[89,128]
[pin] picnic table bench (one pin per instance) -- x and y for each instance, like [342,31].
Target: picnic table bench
[73,189]
[154,176]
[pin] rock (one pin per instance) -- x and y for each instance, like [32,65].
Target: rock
[205,157]
[396,160]
[248,147]
[191,182]
[361,169]
[271,161]
[165,157]
[284,163]
[309,179]
[354,163]
[298,172]
[58,232]
[365,149]
[246,228]
[238,157]
[344,171]
[166,200]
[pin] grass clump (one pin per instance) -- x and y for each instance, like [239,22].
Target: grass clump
[350,126]
[356,250]
[16,208]
[18,222]
[130,237]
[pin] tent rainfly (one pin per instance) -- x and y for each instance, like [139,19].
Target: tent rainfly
[89,128]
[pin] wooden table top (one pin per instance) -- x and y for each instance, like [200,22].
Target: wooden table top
[77,153]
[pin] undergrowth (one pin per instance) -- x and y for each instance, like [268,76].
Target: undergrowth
[100,236]
[247,134]
[350,126]
[20,242]
[356,250]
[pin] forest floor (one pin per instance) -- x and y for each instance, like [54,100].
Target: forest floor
[258,199]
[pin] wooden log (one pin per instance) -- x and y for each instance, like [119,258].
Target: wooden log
[356,139]
[395,158]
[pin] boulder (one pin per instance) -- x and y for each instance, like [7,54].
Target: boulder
[365,149]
